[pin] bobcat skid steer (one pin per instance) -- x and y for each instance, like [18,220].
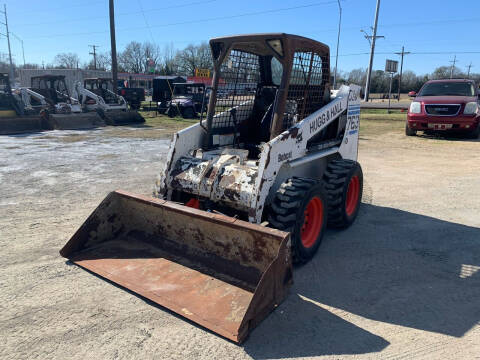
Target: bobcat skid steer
[49,96]
[244,193]
[14,117]
[97,94]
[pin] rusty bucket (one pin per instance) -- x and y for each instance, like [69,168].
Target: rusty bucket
[222,273]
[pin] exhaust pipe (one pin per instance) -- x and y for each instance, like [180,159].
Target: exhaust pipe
[220,272]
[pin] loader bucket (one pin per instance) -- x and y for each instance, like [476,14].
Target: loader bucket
[20,124]
[75,121]
[220,272]
[123,118]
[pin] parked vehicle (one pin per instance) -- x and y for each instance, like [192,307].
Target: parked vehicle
[133,96]
[188,100]
[163,89]
[283,159]
[450,105]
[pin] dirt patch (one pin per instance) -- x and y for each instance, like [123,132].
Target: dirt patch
[402,282]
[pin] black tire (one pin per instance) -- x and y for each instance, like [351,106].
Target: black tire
[288,212]
[475,134]
[410,132]
[172,111]
[343,206]
[188,113]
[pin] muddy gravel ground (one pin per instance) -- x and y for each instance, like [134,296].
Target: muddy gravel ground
[403,282]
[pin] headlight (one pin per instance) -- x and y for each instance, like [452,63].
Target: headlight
[415,107]
[470,108]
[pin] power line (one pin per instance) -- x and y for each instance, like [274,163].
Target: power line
[372,51]
[197,21]
[12,74]
[21,41]
[146,22]
[120,14]
[402,54]
[453,66]
[55,9]
[94,53]
[469,67]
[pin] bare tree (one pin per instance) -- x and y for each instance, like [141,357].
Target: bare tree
[132,59]
[67,61]
[357,76]
[193,57]
[135,57]
[443,72]
[168,65]
[151,52]
[104,62]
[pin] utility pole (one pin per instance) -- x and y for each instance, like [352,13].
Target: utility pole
[453,66]
[113,46]
[12,74]
[401,70]
[94,53]
[469,67]
[23,50]
[372,51]
[338,42]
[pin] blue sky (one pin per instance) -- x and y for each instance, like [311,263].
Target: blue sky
[49,27]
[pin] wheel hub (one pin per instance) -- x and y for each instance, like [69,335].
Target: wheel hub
[312,222]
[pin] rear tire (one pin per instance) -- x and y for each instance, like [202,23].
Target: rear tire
[300,207]
[410,132]
[172,111]
[188,113]
[344,185]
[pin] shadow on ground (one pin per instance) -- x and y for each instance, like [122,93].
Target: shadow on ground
[448,136]
[391,266]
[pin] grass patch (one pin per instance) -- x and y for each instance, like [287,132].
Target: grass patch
[382,115]
[369,127]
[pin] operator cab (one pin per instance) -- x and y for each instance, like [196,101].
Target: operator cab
[52,87]
[263,85]
[102,87]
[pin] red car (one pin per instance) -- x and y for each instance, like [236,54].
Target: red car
[445,106]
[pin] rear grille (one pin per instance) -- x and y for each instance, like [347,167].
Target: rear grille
[442,110]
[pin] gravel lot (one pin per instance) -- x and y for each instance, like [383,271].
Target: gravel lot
[403,282]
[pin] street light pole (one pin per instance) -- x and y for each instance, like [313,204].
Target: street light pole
[372,52]
[338,42]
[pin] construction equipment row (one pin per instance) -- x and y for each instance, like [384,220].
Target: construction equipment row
[48,105]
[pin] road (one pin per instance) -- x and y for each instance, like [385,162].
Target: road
[403,282]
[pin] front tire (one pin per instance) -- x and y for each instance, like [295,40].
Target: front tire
[475,134]
[300,207]
[410,132]
[344,184]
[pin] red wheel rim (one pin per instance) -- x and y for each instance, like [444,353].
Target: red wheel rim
[312,222]
[353,194]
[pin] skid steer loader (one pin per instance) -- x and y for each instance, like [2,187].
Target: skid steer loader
[49,96]
[97,94]
[15,118]
[244,192]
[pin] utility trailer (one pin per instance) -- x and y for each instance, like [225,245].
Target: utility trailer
[243,194]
